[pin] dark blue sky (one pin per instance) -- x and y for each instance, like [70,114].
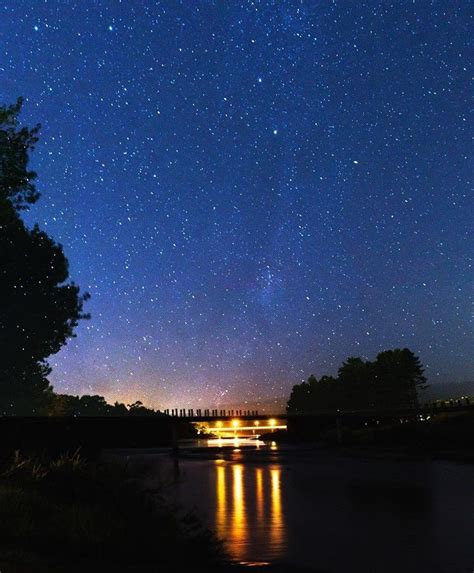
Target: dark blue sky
[250,191]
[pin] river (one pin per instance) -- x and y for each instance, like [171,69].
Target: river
[324,511]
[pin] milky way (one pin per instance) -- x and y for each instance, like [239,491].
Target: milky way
[251,192]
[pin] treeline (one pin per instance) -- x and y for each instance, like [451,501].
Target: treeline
[67,405]
[391,381]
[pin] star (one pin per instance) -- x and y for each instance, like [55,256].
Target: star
[193,227]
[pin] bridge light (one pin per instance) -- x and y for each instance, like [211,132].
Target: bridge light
[256,423]
[235,423]
[272,422]
[219,424]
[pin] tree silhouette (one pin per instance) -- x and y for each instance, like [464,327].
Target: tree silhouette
[138,409]
[16,181]
[398,376]
[356,378]
[391,381]
[39,309]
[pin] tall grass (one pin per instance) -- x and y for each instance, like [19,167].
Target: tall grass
[67,515]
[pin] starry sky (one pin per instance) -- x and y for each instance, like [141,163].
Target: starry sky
[250,191]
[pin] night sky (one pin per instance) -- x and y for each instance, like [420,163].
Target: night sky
[250,191]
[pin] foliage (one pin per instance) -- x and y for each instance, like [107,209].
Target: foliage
[16,181]
[71,514]
[391,381]
[39,310]
[138,409]
[67,405]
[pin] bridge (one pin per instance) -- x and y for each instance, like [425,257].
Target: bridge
[92,433]
[230,422]
[210,415]
[242,427]
[236,422]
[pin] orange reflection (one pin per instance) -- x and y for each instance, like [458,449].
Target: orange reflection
[277,530]
[239,521]
[249,513]
[259,493]
[221,513]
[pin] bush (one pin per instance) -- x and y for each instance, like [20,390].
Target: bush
[73,515]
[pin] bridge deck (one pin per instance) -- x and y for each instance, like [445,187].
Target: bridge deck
[380,414]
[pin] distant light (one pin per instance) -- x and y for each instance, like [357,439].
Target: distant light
[355,162]
[35,28]
[235,423]
[111,28]
[219,424]
[275,131]
[272,422]
[257,423]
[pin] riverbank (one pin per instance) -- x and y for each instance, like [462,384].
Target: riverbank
[68,514]
[447,436]
[71,514]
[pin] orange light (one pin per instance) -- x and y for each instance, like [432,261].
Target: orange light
[219,424]
[235,423]
[272,422]
[257,423]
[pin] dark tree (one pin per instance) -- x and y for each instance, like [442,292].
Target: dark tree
[66,405]
[16,181]
[356,378]
[300,397]
[314,395]
[398,377]
[138,409]
[86,405]
[39,309]
[392,381]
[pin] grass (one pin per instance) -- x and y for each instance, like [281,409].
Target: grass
[67,514]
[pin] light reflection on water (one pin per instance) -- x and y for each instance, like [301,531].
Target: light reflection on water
[249,508]
[324,511]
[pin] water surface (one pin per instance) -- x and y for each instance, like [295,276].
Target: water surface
[326,511]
